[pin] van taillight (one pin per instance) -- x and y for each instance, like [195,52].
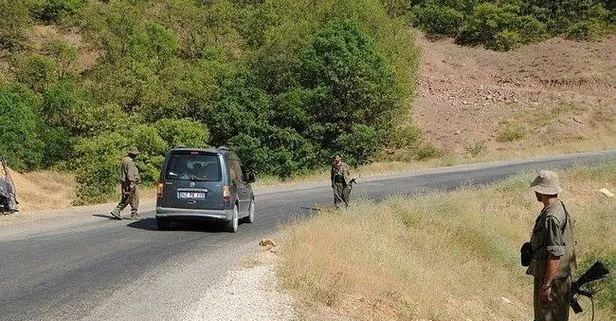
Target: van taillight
[159,189]
[226,193]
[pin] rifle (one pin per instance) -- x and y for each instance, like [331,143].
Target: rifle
[581,286]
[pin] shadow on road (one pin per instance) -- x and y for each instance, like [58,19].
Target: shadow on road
[149,224]
[105,216]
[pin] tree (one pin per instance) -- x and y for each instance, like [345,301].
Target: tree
[20,126]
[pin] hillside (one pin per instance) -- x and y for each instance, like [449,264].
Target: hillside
[468,96]
[554,96]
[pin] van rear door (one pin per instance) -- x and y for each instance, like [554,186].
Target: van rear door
[192,180]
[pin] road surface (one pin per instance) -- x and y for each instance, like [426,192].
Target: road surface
[89,267]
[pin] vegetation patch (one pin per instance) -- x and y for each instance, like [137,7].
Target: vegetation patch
[444,256]
[283,88]
[511,131]
[504,25]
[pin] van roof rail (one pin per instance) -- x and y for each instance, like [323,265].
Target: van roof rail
[223,148]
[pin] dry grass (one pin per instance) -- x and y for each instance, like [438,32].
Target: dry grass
[44,190]
[441,256]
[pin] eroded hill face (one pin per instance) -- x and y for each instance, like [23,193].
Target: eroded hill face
[555,96]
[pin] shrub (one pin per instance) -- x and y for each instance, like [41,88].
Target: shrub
[511,131]
[63,54]
[14,18]
[404,137]
[36,71]
[486,21]
[505,40]
[359,144]
[53,10]
[20,127]
[186,132]
[426,151]
[477,148]
[58,145]
[592,30]
[437,20]
[97,170]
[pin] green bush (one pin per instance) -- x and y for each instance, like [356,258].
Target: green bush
[14,18]
[20,128]
[426,151]
[404,137]
[36,71]
[592,30]
[486,21]
[511,131]
[186,132]
[359,144]
[353,82]
[505,40]
[54,10]
[63,54]
[98,165]
[437,20]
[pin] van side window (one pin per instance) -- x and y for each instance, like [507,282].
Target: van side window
[236,171]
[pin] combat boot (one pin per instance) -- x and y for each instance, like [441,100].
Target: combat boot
[134,216]
[116,214]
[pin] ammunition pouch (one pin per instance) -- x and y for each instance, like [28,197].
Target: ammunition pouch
[526,254]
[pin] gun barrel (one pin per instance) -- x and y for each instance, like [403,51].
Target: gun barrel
[596,271]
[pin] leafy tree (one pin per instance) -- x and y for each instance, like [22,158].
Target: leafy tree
[349,81]
[359,144]
[186,132]
[20,121]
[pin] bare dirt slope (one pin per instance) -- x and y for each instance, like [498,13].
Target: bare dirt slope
[559,92]
[43,190]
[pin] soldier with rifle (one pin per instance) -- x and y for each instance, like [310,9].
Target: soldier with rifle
[129,179]
[551,251]
[341,184]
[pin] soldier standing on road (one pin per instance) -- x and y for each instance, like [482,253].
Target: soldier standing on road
[340,181]
[129,178]
[553,251]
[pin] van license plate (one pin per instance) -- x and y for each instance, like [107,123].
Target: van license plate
[191,195]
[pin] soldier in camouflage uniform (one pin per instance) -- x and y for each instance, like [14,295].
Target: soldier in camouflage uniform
[340,182]
[129,179]
[553,248]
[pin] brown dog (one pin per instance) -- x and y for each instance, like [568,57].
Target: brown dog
[269,243]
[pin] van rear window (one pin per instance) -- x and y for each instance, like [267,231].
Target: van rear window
[194,166]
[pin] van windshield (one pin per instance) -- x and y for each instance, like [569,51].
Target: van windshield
[194,166]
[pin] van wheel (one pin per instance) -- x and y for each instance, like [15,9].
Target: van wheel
[234,222]
[251,213]
[162,223]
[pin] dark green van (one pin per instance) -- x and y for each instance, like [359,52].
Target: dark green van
[204,184]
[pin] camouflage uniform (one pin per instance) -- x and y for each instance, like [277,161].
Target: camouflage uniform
[340,184]
[129,178]
[553,235]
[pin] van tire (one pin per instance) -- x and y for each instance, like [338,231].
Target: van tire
[251,213]
[162,223]
[234,222]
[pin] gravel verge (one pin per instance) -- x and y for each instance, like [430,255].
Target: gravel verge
[249,293]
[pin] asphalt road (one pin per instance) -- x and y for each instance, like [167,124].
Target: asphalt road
[89,267]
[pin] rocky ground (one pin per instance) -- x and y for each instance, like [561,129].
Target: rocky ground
[557,90]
